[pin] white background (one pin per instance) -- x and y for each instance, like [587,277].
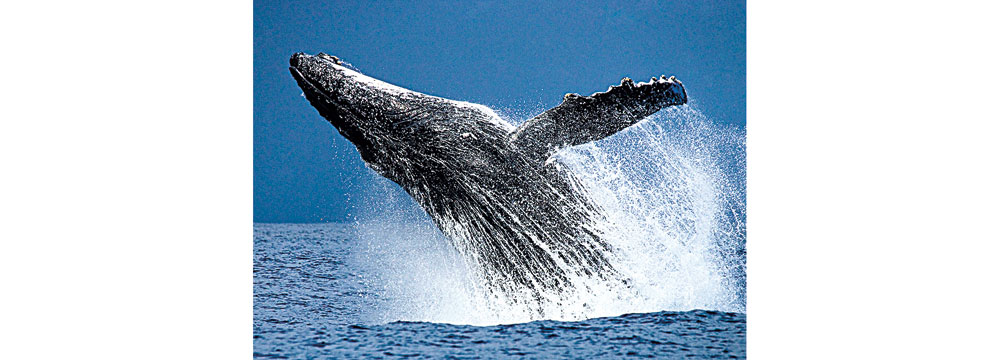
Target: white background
[126,192]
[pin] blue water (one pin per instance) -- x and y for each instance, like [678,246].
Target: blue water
[318,294]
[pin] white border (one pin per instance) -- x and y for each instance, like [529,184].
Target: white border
[125,139]
[872,176]
[126,144]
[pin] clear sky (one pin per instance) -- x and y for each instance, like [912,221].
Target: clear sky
[509,55]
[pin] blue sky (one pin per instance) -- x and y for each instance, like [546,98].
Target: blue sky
[515,56]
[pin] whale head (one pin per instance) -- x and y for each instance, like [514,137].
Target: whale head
[399,133]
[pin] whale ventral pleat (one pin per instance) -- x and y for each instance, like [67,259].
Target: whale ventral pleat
[492,189]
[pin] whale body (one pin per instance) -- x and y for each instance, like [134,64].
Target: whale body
[492,188]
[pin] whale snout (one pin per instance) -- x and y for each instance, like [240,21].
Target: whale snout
[321,68]
[300,58]
[363,109]
[297,59]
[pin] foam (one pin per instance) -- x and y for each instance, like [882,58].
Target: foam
[672,189]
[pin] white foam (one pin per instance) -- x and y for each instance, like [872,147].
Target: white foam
[674,212]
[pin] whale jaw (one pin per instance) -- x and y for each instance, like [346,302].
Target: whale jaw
[395,130]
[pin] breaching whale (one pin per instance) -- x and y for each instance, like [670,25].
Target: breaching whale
[493,189]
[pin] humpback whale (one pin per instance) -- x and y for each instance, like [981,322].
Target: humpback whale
[494,190]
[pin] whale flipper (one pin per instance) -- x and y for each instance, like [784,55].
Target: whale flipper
[582,119]
[529,229]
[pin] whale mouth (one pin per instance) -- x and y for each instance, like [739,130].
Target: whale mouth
[297,64]
[327,106]
[320,83]
[306,84]
[309,70]
[301,79]
[324,86]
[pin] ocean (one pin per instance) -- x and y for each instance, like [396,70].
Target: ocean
[314,299]
[390,284]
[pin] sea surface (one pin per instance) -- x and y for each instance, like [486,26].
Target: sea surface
[321,291]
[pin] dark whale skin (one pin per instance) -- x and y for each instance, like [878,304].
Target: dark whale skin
[492,189]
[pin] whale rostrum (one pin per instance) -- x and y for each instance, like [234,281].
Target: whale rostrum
[494,190]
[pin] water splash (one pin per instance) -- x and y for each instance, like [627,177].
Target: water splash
[672,189]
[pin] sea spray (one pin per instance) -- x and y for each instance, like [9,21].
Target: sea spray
[671,189]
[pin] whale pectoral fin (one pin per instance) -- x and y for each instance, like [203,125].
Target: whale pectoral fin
[582,119]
